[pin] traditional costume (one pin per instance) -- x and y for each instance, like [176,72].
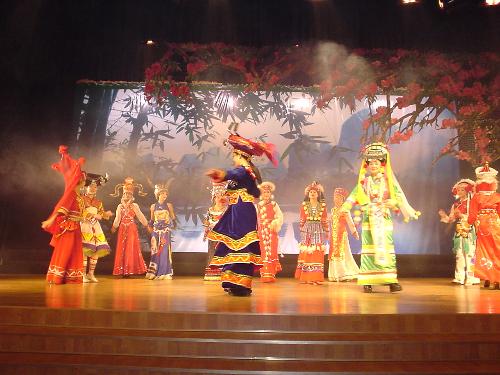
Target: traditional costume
[238,249]
[64,224]
[377,194]
[270,220]
[464,239]
[128,256]
[94,242]
[484,213]
[214,213]
[342,266]
[161,225]
[313,237]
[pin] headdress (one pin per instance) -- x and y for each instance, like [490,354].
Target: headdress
[267,186]
[163,187]
[469,186]
[98,179]
[341,191]
[249,148]
[379,151]
[485,178]
[314,186]
[129,186]
[376,151]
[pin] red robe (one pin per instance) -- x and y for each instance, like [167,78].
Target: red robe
[66,264]
[484,212]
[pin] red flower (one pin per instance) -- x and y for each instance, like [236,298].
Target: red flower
[446,148]
[366,123]
[196,67]
[450,123]
[439,101]
[463,155]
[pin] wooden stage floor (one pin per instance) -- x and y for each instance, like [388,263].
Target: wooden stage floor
[286,296]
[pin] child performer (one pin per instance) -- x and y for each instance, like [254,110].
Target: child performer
[128,257]
[270,220]
[238,249]
[64,223]
[94,245]
[342,266]
[314,233]
[484,212]
[215,212]
[161,224]
[378,193]
[464,239]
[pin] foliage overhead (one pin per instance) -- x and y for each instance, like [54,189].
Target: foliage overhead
[426,85]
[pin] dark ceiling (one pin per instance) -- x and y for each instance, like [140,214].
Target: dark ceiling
[49,44]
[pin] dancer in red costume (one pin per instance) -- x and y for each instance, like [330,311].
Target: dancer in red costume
[484,212]
[270,220]
[128,257]
[66,264]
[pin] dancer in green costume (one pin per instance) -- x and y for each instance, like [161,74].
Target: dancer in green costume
[378,192]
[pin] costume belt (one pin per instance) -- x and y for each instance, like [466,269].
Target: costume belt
[233,196]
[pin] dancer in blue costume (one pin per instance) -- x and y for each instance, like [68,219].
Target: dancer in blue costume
[238,251]
[161,224]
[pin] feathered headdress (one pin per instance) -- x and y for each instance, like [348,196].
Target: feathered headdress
[249,148]
[128,186]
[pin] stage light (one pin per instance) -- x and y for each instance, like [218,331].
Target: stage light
[408,2]
[444,4]
[491,3]
[150,42]
[301,104]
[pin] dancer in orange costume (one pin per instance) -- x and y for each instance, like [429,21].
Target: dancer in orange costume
[484,212]
[66,264]
[270,220]
[342,266]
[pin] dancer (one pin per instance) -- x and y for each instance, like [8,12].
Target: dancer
[342,266]
[238,249]
[270,220]
[378,194]
[94,243]
[162,222]
[464,239]
[484,213]
[128,257]
[314,234]
[64,223]
[215,212]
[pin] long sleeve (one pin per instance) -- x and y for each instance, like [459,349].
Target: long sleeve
[350,223]
[451,217]
[278,217]
[350,200]
[118,216]
[302,219]
[140,216]
[473,209]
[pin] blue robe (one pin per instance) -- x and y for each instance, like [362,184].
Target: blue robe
[238,251]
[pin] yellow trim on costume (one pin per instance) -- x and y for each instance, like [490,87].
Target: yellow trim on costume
[232,243]
[236,278]
[233,196]
[247,258]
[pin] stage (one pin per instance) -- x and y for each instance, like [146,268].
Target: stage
[286,296]
[187,325]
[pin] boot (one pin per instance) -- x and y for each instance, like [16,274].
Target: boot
[395,287]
